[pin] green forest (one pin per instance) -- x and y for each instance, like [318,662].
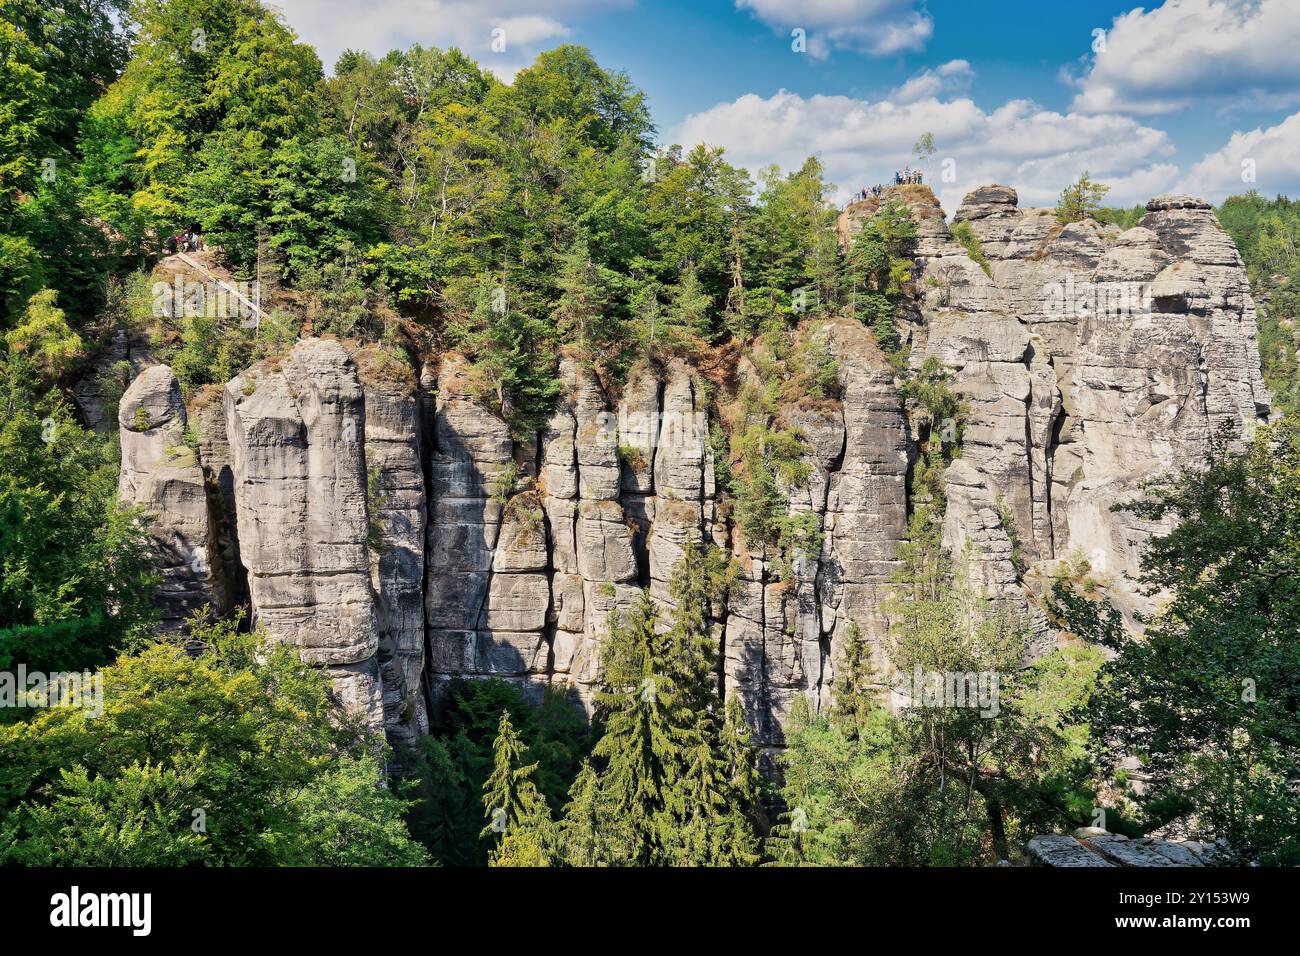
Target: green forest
[394,201]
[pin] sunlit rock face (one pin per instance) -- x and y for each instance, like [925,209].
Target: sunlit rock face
[161,474]
[296,429]
[384,519]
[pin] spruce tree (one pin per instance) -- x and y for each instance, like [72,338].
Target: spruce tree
[516,809]
[641,749]
[689,305]
[588,835]
[853,700]
[677,791]
[581,312]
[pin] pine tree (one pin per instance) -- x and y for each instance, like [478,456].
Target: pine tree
[672,778]
[581,313]
[689,305]
[739,756]
[515,807]
[700,579]
[589,836]
[853,700]
[646,731]
[713,825]
[1080,200]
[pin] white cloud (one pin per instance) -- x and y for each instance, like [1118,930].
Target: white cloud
[861,142]
[877,27]
[1190,52]
[378,26]
[1271,156]
[952,77]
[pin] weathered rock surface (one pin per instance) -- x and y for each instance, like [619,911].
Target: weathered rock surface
[1090,359]
[161,474]
[208,425]
[296,429]
[395,483]
[784,637]
[1091,846]
[402,537]
[125,356]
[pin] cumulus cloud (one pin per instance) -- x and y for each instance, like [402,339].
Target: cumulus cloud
[861,142]
[1263,159]
[1190,52]
[380,25]
[876,27]
[952,77]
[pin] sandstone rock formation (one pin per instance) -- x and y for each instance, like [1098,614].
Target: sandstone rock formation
[161,474]
[1092,846]
[1090,359]
[395,486]
[397,532]
[296,429]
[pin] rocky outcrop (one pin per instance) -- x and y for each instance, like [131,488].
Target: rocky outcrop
[400,535]
[161,474]
[207,419]
[785,633]
[397,509]
[1090,360]
[111,369]
[1092,846]
[527,558]
[296,430]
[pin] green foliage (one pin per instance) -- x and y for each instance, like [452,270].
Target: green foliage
[506,482]
[1080,200]
[965,234]
[816,371]
[939,416]
[939,784]
[225,752]
[448,768]
[1123,218]
[68,606]
[339,300]
[44,339]
[924,147]
[349,818]
[854,702]
[515,352]
[767,461]
[793,246]
[1267,232]
[881,269]
[376,501]
[1008,522]
[672,779]
[1207,696]
[517,813]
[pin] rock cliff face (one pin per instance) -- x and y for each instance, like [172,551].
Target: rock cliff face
[160,473]
[296,430]
[396,531]
[1092,359]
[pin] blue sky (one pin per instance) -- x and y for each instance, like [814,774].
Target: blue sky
[1185,95]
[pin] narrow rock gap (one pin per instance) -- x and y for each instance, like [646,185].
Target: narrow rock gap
[1054,442]
[824,638]
[552,619]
